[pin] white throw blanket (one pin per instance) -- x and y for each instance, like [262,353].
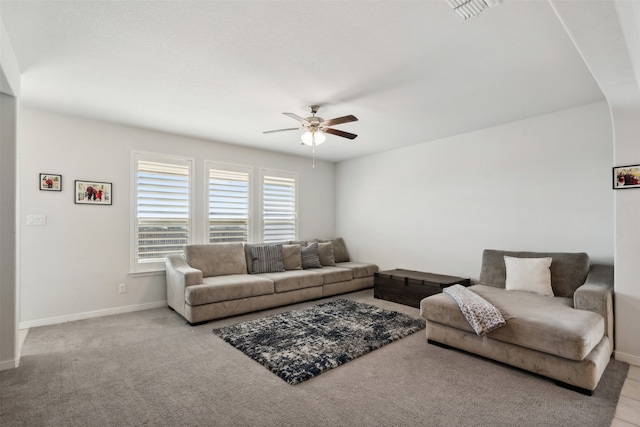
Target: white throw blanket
[483,316]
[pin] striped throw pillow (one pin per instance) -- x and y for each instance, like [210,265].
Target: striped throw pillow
[310,258]
[267,259]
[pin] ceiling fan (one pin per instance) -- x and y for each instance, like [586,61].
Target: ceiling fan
[314,124]
[316,127]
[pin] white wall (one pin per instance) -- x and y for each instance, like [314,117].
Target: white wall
[541,184]
[71,267]
[627,256]
[9,70]
[9,93]
[8,241]
[606,35]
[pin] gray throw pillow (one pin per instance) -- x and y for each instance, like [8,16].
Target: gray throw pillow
[292,257]
[310,258]
[248,257]
[340,252]
[267,259]
[325,253]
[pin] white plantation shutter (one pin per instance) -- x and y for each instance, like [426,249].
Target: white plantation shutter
[228,205]
[162,209]
[279,206]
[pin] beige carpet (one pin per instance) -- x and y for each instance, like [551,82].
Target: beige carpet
[150,368]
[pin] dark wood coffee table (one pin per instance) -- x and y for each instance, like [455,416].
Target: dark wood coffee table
[410,287]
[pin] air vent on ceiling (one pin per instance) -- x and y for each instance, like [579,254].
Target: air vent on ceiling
[469,8]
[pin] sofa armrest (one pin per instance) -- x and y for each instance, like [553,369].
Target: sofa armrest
[179,275]
[596,294]
[182,272]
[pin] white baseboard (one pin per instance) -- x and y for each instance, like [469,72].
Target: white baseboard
[629,358]
[89,314]
[8,364]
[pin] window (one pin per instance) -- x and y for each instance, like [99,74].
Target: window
[162,207]
[229,203]
[279,205]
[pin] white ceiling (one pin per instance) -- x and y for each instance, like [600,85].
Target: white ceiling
[411,71]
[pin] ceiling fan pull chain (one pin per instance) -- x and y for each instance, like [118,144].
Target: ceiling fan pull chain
[313,151]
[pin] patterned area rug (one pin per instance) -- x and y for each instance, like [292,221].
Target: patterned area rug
[301,344]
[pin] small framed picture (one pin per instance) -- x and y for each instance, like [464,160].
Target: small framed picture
[92,193]
[50,182]
[626,177]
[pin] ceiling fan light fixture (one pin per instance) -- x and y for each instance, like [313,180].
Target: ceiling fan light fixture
[308,136]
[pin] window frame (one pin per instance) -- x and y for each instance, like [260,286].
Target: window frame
[282,174]
[136,157]
[234,168]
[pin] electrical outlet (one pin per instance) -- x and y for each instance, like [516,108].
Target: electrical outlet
[122,288]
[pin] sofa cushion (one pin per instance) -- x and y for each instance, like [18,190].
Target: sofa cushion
[230,287]
[310,256]
[266,259]
[547,324]
[216,259]
[359,269]
[332,274]
[325,253]
[292,257]
[528,275]
[294,279]
[568,270]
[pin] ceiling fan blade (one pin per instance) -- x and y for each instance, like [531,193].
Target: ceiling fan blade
[279,130]
[340,133]
[297,117]
[339,120]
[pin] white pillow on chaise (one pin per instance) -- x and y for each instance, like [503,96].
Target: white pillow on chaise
[528,275]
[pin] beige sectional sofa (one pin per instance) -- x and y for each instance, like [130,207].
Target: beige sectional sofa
[566,336]
[211,281]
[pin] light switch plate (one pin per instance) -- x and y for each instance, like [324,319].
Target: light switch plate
[36,220]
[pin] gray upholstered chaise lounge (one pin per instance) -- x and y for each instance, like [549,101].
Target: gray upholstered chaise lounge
[567,337]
